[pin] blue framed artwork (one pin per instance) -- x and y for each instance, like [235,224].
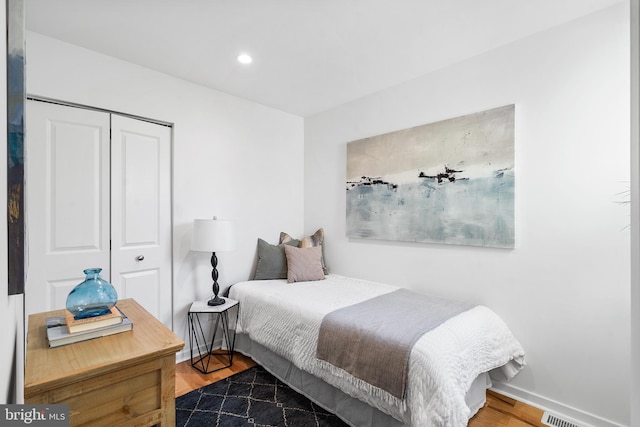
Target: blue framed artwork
[15,144]
[450,182]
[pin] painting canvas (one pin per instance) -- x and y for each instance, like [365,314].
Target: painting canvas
[15,144]
[449,182]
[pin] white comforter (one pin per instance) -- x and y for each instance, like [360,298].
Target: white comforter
[286,317]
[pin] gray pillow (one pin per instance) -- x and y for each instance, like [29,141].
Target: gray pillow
[272,262]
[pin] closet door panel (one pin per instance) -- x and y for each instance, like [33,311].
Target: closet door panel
[141,190]
[141,213]
[144,286]
[76,188]
[67,200]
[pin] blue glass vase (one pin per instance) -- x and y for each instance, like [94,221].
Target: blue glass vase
[93,297]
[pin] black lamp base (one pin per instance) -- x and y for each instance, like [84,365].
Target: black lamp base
[216,300]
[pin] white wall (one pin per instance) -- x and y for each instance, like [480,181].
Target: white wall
[232,158]
[564,290]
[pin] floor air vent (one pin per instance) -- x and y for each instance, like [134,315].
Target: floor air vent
[556,421]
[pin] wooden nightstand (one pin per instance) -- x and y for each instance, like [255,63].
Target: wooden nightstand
[208,361]
[122,379]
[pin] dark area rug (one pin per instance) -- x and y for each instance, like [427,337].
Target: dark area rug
[251,398]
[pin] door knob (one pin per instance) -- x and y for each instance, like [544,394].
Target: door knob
[140,257]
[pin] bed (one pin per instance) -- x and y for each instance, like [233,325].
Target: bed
[449,367]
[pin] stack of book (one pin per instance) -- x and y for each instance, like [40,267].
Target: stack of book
[63,330]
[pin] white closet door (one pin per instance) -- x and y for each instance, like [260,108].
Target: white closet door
[141,214]
[67,200]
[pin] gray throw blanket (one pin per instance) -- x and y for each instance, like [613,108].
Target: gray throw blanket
[372,340]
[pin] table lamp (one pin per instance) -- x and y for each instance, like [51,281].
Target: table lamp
[213,235]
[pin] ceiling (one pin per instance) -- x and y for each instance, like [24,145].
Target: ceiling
[308,55]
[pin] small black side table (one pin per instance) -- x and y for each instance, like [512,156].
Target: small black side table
[208,361]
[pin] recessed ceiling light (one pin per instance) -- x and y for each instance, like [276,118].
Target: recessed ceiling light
[244,59]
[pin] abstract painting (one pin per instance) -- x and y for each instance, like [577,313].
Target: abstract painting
[449,182]
[15,144]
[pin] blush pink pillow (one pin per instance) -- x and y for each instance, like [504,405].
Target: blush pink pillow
[304,264]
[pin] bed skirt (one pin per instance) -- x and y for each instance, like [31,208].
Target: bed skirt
[351,410]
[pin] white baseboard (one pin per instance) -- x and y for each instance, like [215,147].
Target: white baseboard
[582,418]
[185,353]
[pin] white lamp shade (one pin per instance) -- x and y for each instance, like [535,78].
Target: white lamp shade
[213,235]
